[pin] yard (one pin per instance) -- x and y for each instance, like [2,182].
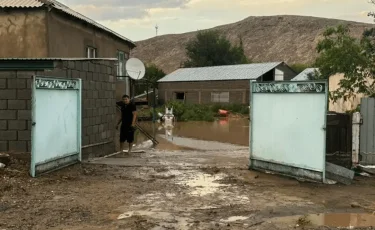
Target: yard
[182,189]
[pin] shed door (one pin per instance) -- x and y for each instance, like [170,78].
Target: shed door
[56,124]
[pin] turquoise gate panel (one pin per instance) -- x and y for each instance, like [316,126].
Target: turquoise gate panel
[288,122]
[56,124]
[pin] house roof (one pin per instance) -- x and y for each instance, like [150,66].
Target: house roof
[58,59]
[304,75]
[61,7]
[20,3]
[220,73]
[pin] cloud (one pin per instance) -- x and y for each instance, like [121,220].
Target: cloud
[136,19]
[122,9]
[105,13]
[131,3]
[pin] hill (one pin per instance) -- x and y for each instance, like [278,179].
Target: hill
[273,38]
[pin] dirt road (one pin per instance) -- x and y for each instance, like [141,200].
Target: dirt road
[170,190]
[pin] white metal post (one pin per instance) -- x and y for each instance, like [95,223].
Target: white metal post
[355,138]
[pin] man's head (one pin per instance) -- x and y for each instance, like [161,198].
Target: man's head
[126,99]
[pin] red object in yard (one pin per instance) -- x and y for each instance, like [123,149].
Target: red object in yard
[223,112]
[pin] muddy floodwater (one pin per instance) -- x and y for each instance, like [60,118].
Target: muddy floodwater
[231,131]
[339,220]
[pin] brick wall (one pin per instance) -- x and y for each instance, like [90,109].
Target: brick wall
[238,91]
[98,105]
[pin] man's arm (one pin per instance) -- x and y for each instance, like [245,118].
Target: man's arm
[118,123]
[134,115]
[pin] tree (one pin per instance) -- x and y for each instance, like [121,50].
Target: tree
[299,67]
[152,75]
[340,53]
[212,49]
[371,14]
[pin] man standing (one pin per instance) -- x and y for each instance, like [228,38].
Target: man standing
[127,120]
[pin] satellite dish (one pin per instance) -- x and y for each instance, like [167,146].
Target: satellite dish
[135,68]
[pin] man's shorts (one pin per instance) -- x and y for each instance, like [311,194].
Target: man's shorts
[127,134]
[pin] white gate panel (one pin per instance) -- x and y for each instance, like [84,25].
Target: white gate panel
[288,123]
[56,130]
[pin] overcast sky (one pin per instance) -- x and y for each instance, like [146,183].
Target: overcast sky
[136,19]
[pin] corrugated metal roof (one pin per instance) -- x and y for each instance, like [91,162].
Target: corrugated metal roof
[59,6]
[20,3]
[220,73]
[304,75]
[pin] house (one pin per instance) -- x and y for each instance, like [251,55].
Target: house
[341,105]
[219,84]
[49,29]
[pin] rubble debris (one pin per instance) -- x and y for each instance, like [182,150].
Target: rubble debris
[356,205]
[4,159]
[365,174]
[339,174]
[368,169]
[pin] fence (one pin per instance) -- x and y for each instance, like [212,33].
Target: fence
[367,135]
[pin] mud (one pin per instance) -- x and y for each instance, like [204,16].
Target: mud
[339,220]
[169,190]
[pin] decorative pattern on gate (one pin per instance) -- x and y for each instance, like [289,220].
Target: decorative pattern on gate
[288,87]
[56,84]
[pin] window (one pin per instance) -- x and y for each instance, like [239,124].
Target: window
[180,96]
[91,52]
[220,97]
[122,58]
[279,75]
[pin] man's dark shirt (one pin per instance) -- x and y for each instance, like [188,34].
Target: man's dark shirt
[126,112]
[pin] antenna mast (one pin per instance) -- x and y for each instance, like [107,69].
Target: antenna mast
[156,28]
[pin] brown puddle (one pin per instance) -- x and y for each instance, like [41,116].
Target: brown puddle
[340,220]
[232,131]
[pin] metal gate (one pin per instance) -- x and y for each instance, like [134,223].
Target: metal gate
[288,122]
[367,133]
[56,124]
[339,139]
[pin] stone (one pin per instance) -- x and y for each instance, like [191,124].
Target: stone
[339,174]
[4,159]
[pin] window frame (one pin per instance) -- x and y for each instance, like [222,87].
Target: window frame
[94,51]
[121,70]
[218,97]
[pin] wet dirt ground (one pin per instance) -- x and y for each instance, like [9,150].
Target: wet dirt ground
[179,187]
[160,189]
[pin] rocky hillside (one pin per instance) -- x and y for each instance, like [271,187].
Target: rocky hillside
[276,38]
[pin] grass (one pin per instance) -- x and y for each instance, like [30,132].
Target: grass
[196,112]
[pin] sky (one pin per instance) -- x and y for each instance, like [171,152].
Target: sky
[136,19]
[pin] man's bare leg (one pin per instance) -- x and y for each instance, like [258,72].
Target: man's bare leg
[122,146]
[130,147]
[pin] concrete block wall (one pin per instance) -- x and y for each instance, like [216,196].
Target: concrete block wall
[15,112]
[98,105]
